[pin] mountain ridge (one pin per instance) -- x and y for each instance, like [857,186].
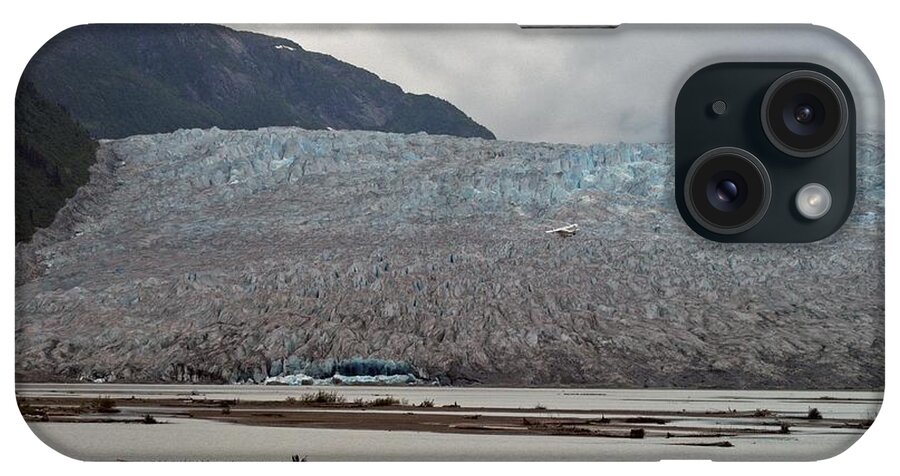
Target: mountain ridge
[122,80]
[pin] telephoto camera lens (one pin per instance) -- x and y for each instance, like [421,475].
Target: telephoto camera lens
[804,114]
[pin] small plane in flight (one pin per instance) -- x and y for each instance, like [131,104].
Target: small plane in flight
[565,231]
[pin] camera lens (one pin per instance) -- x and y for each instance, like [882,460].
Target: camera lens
[804,113]
[727,190]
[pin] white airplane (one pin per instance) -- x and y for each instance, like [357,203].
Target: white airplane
[565,231]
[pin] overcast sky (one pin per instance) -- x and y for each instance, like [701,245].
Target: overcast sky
[574,85]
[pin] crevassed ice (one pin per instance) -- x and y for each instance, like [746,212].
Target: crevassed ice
[303,379]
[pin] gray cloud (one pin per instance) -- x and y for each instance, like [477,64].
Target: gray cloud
[575,85]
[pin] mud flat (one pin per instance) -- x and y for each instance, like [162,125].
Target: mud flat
[69,421]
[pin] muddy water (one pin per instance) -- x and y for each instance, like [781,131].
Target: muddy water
[189,439]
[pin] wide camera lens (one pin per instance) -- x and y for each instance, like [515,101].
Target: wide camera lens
[804,113]
[727,190]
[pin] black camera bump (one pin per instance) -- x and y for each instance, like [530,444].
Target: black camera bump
[750,138]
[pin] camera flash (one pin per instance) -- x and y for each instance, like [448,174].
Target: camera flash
[813,201]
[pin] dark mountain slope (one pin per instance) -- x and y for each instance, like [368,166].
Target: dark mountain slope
[53,154]
[121,80]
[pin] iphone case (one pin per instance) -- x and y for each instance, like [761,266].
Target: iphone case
[369,242]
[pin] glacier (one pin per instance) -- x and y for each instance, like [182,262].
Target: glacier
[338,379]
[232,256]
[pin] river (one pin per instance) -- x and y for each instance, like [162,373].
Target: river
[195,439]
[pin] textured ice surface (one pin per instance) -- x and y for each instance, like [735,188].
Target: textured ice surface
[303,379]
[209,255]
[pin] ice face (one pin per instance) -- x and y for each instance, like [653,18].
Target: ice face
[210,255]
